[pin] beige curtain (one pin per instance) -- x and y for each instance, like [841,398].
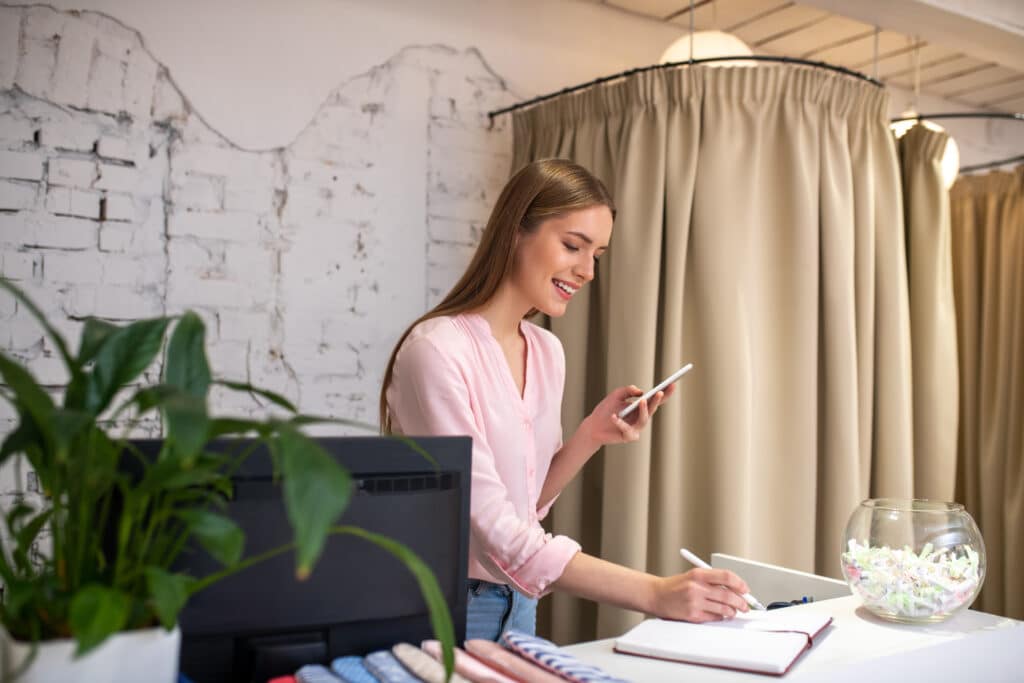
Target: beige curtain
[760,236]
[932,313]
[988,272]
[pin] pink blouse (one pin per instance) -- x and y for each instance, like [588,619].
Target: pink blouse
[451,378]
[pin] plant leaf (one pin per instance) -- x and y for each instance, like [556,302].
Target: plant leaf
[29,395]
[220,536]
[96,613]
[440,619]
[271,396]
[187,424]
[58,340]
[187,367]
[316,491]
[125,354]
[26,536]
[169,592]
[221,426]
[94,333]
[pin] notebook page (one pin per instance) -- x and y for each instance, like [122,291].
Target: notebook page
[756,641]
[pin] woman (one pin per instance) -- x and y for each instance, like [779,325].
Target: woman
[474,366]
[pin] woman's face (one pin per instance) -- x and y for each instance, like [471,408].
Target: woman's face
[554,261]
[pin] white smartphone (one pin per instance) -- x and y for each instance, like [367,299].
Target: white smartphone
[671,378]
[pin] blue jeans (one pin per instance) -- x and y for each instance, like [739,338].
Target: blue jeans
[494,608]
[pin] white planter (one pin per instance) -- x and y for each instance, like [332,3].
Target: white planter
[149,655]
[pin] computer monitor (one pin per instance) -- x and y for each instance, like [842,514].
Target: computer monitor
[262,622]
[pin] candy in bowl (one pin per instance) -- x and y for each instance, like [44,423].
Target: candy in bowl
[913,561]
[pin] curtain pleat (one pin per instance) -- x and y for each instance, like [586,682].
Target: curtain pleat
[987,218]
[932,313]
[760,236]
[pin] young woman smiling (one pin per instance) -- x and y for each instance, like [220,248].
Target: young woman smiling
[475,366]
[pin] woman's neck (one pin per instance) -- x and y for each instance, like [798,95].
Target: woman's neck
[504,312]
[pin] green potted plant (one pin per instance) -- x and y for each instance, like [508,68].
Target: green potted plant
[72,611]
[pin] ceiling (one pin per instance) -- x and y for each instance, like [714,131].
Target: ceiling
[792,29]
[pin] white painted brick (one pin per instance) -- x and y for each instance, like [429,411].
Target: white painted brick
[225,161]
[43,23]
[118,207]
[10,24]
[132,270]
[76,267]
[15,129]
[48,370]
[117,178]
[71,73]
[185,291]
[21,165]
[20,265]
[445,264]
[79,173]
[105,79]
[249,199]
[115,42]
[198,192]
[66,201]
[236,227]
[75,135]
[243,325]
[115,147]
[35,70]
[139,82]
[114,302]
[24,333]
[303,203]
[16,229]
[64,232]
[17,196]
[168,103]
[448,230]
[7,308]
[227,358]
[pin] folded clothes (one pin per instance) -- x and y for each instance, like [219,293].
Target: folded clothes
[386,669]
[315,673]
[467,666]
[510,664]
[548,655]
[422,665]
[352,670]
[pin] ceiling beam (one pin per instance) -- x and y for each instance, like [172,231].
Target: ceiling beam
[959,24]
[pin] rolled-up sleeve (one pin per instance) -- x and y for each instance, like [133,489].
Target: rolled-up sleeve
[430,395]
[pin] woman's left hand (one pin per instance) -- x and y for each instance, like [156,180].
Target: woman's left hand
[604,426]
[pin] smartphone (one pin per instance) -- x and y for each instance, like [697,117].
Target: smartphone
[671,378]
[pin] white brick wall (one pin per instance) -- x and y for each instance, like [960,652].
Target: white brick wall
[307,261]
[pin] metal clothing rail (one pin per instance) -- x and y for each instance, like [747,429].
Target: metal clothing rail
[688,62]
[1007,116]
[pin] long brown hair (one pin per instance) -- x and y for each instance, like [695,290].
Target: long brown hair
[544,189]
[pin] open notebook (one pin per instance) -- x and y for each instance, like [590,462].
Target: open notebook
[761,642]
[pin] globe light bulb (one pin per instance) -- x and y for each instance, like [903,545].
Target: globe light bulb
[706,45]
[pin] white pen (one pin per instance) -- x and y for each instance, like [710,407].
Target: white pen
[697,562]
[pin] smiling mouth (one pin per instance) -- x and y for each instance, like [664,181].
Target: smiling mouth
[564,289]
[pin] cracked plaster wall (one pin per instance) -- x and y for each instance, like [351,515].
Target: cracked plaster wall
[117,200]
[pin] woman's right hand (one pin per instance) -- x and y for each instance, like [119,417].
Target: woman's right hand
[700,595]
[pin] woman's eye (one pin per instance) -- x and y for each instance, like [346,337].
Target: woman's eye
[570,247]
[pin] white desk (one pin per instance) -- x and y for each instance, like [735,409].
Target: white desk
[858,647]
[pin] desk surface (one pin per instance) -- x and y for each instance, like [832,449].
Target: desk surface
[972,646]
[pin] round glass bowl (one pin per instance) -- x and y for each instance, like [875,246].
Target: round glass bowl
[913,561]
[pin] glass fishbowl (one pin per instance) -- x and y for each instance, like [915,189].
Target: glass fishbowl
[913,561]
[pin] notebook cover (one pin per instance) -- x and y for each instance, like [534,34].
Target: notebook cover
[756,642]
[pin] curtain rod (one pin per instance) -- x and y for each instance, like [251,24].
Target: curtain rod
[1008,116]
[690,62]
